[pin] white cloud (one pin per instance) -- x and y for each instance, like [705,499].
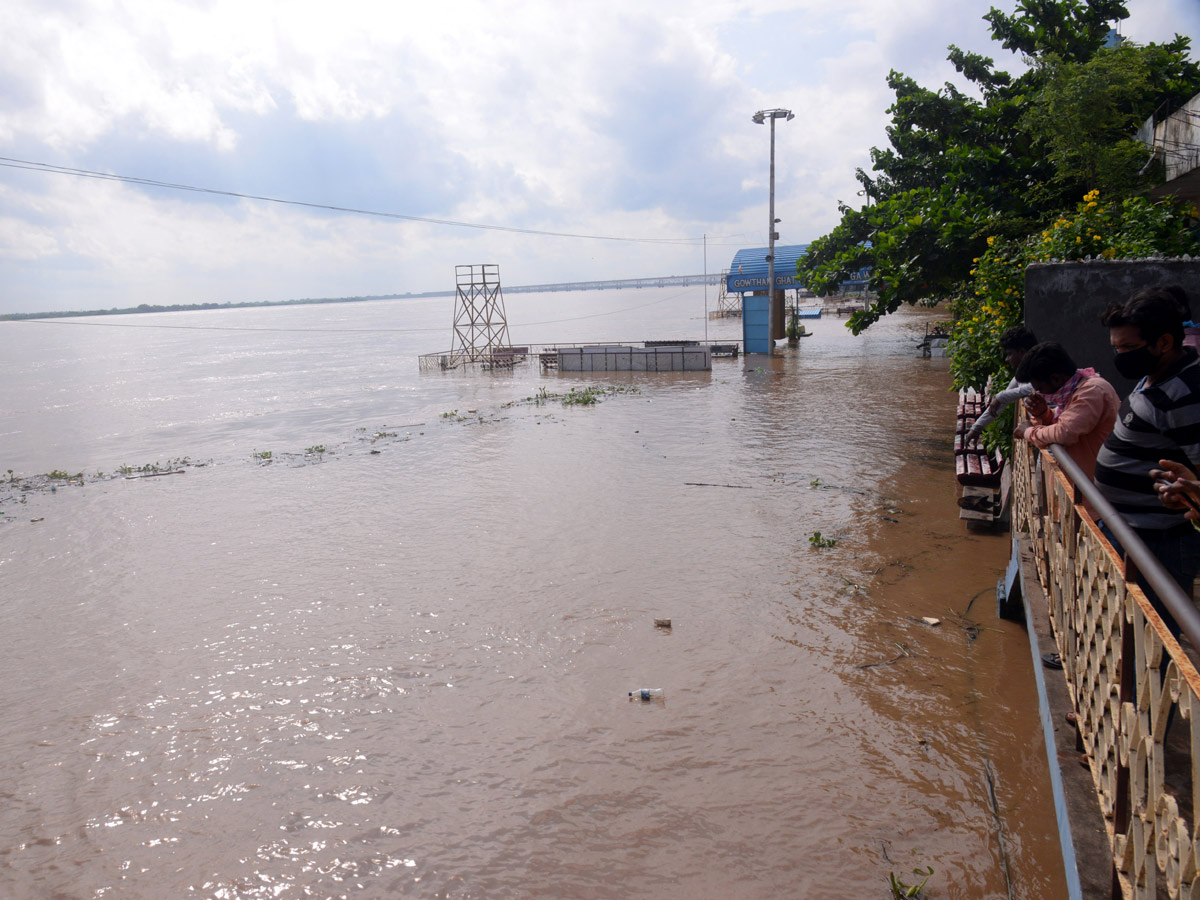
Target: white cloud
[620,118]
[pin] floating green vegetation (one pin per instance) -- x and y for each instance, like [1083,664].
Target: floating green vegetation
[147,468]
[262,455]
[315,450]
[821,543]
[385,434]
[902,891]
[540,396]
[587,396]
[576,396]
[815,483]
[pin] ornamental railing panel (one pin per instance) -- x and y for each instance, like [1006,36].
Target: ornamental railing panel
[1135,691]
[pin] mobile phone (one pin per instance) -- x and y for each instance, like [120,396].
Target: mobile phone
[1188,501]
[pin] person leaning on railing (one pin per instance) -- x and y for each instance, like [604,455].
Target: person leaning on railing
[1158,425]
[1014,344]
[1071,406]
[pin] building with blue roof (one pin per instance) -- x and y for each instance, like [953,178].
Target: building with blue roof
[748,271]
[748,274]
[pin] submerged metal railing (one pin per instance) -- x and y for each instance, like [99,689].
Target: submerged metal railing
[1125,671]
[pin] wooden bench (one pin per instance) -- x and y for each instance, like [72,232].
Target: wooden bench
[978,471]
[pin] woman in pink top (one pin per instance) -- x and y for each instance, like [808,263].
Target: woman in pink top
[1072,406]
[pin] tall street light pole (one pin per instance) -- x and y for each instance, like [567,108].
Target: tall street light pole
[759,117]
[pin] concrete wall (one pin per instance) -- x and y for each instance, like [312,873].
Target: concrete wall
[1178,137]
[635,359]
[1064,301]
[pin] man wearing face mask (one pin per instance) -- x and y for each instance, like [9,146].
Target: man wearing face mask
[1160,419]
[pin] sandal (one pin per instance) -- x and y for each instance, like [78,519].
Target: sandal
[1051,660]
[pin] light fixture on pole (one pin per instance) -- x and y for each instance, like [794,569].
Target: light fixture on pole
[759,117]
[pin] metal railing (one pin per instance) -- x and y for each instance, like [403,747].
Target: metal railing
[1125,672]
[501,357]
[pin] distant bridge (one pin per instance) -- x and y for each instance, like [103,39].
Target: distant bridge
[658,281]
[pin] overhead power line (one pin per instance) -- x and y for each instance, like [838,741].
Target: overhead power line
[11,163]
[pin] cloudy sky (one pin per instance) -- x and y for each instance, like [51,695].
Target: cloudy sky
[626,120]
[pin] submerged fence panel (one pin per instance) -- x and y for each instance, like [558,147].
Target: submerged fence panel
[1125,672]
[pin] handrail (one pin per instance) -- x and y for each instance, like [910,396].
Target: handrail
[1125,674]
[1178,603]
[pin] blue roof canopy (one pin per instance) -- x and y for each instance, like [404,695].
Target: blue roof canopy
[748,271]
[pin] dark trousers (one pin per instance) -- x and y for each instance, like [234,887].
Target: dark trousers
[1178,549]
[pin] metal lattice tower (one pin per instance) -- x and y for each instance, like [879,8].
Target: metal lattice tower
[479,322]
[727,304]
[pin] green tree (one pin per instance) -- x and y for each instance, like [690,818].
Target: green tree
[1073,29]
[1086,114]
[963,166]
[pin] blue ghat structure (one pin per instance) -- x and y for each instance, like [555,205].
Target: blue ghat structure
[748,271]
[748,277]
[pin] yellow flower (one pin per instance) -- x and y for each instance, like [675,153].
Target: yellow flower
[991,240]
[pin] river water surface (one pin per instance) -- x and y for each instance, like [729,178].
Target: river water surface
[399,667]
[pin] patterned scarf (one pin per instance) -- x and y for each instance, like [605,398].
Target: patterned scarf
[1062,396]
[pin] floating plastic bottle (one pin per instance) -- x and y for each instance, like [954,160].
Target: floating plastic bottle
[646,694]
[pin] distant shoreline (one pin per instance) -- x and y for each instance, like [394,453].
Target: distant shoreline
[188,307]
[658,281]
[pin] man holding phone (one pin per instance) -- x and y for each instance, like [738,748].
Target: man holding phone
[1159,422]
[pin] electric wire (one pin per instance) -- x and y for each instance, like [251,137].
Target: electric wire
[49,168]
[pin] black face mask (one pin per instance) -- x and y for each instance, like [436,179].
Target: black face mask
[1136,364]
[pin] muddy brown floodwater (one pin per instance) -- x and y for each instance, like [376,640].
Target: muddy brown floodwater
[400,667]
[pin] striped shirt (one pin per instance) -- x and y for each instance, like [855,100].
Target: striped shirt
[1159,421]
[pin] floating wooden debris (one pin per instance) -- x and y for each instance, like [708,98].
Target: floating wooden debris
[662,623]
